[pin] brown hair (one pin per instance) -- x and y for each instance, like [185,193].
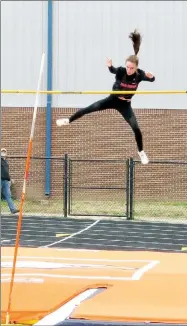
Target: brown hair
[136,39]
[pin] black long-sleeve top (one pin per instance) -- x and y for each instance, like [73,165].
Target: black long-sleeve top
[125,82]
[4,170]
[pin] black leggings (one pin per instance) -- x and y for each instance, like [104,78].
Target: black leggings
[122,106]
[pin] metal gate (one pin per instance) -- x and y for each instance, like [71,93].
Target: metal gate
[97,188]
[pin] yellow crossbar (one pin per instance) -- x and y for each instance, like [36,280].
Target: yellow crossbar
[55,92]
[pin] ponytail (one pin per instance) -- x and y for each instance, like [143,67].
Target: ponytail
[136,39]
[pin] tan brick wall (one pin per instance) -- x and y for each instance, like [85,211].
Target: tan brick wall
[103,135]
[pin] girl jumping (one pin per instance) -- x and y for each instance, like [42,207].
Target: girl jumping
[126,79]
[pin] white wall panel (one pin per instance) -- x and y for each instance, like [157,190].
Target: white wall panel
[23,40]
[86,32]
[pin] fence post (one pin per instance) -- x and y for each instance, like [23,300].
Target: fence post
[131,187]
[69,185]
[65,185]
[127,188]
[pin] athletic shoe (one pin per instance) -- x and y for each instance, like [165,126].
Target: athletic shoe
[143,157]
[62,122]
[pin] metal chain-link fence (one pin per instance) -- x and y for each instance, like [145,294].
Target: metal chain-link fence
[160,191]
[36,200]
[108,188]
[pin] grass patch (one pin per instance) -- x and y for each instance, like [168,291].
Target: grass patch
[37,206]
[142,209]
[177,210]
